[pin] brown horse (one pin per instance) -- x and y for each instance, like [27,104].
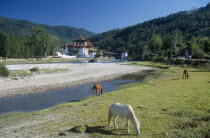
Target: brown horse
[185,74]
[97,89]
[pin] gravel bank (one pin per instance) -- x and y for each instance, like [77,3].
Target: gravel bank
[77,74]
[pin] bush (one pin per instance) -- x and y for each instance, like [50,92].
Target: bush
[4,71]
[147,58]
[179,61]
[161,59]
[34,69]
[189,62]
[154,58]
[200,62]
[78,129]
[200,55]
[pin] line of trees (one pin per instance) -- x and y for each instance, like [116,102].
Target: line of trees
[175,44]
[37,43]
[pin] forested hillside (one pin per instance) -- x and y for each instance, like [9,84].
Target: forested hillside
[24,39]
[37,43]
[21,27]
[162,37]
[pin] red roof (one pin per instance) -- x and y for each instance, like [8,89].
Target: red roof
[80,39]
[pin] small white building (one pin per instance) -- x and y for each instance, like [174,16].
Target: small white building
[82,45]
[187,54]
[124,54]
[92,55]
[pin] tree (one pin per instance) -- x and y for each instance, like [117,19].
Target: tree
[73,52]
[168,47]
[155,44]
[4,45]
[40,43]
[176,38]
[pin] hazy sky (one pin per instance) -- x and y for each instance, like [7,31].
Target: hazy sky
[94,15]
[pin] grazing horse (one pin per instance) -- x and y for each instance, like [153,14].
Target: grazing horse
[125,111]
[97,89]
[185,74]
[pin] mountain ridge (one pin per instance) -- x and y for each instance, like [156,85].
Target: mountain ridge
[20,27]
[136,38]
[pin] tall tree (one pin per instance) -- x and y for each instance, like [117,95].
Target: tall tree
[177,39]
[4,45]
[42,44]
[155,44]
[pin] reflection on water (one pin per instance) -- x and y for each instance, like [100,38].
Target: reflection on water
[33,102]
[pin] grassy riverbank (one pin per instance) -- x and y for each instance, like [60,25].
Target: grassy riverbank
[38,60]
[167,106]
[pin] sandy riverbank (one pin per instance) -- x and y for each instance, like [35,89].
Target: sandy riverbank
[77,74]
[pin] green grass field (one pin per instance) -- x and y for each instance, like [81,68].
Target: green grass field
[167,106]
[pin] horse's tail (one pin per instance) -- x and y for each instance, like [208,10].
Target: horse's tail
[102,91]
[109,116]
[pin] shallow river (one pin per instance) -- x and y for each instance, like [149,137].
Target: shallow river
[33,102]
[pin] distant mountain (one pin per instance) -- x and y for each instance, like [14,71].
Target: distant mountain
[20,27]
[136,38]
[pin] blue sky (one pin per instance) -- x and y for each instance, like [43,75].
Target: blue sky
[94,15]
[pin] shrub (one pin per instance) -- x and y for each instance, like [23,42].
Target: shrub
[147,58]
[179,61]
[189,62]
[200,55]
[78,129]
[35,69]
[154,58]
[200,62]
[161,59]
[4,71]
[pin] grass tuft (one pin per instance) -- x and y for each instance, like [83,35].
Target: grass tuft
[4,72]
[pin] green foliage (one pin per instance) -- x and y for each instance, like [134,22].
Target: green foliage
[179,61]
[15,73]
[155,44]
[20,28]
[73,52]
[24,39]
[62,134]
[200,62]
[36,44]
[78,129]
[189,62]
[200,55]
[40,43]
[4,71]
[179,107]
[168,36]
[35,69]
[4,45]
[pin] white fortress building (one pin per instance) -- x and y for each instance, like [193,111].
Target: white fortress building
[124,54]
[84,48]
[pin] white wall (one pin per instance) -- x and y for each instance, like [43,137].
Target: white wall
[83,52]
[92,55]
[124,55]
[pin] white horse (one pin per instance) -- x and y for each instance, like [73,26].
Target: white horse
[125,111]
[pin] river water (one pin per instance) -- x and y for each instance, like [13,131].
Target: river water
[33,102]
